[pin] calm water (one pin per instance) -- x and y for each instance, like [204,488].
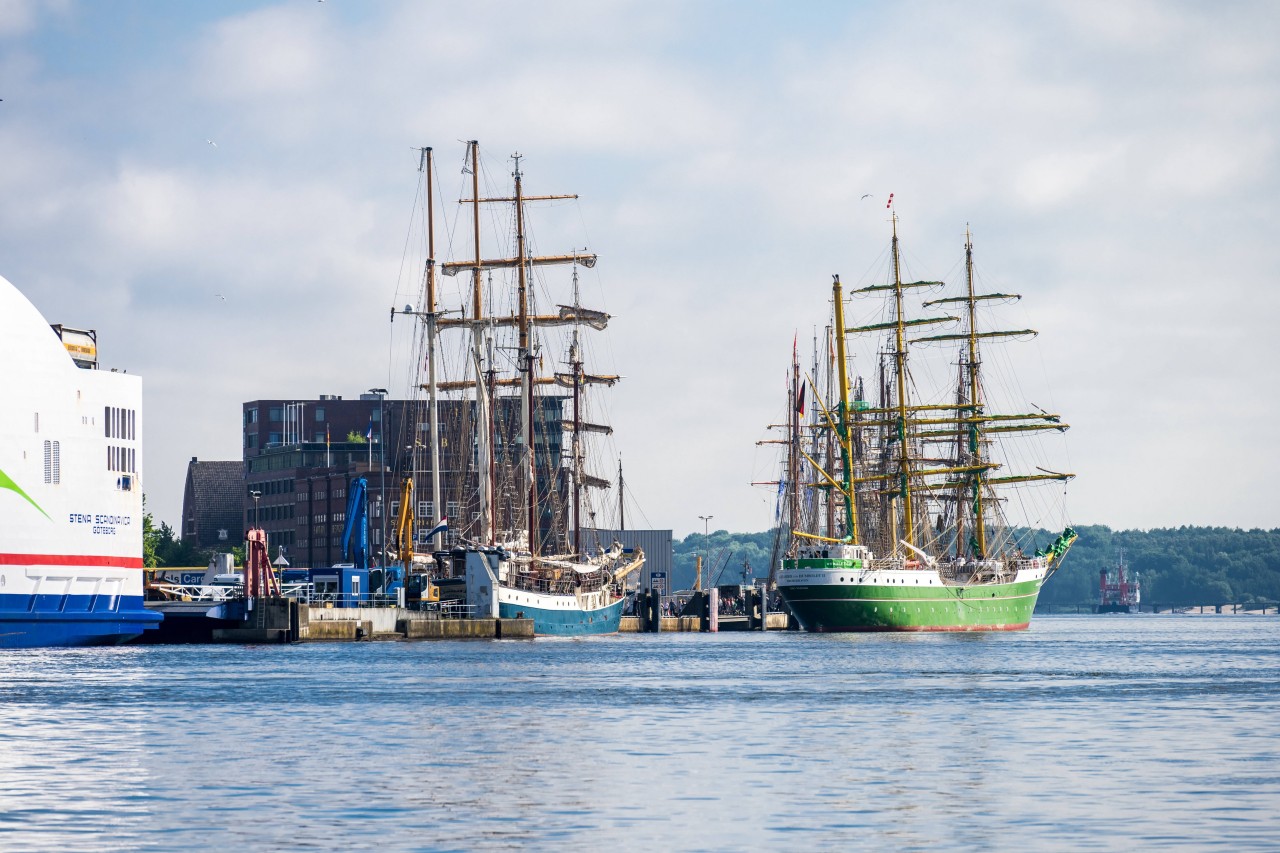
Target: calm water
[1114,732]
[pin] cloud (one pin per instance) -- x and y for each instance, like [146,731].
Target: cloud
[1116,165]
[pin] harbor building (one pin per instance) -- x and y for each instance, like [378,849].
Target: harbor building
[211,503]
[659,553]
[299,457]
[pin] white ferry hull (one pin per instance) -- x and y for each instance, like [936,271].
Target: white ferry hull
[70,491]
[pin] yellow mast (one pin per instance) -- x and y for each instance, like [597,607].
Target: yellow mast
[843,433]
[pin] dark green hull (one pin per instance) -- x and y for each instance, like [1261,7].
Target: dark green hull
[824,608]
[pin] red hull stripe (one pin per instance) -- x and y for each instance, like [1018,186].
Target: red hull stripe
[69,560]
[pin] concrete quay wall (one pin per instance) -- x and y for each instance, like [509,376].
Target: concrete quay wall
[631,624]
[319,624]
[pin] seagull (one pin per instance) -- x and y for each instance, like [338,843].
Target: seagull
[220,296]
[866,195]
[211,142]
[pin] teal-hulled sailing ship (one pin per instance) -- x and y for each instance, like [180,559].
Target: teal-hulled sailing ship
[522,541]
[897,503]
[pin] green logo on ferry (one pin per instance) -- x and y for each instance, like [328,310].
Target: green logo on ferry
[6,482]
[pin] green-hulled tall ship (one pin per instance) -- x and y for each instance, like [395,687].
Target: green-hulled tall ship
[897,504]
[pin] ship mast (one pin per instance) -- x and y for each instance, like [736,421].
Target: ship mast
[526,360]
[575,363]
[975,411]
[486,382]
[900,369]
[793,446]
[844,433]
[427,163]
[484,468]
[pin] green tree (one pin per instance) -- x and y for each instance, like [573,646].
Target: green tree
[150,538]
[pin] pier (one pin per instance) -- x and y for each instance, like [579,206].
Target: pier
[286,620]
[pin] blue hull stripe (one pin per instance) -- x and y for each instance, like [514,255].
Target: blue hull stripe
[72,620]
[570,622]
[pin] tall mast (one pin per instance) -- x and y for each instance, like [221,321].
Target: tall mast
[900,367]
[483,466]
[622,518]
[575,363]
[831,498]
[793,446]
[526,357]
[975,412]
[846,450]
[427,162]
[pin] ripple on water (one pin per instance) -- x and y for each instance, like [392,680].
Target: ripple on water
[1107,732]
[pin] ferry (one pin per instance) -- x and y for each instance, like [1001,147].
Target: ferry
[70,487]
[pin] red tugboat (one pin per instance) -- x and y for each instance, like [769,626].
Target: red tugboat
[1118,590]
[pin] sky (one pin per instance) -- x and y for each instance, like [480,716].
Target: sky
[223,191]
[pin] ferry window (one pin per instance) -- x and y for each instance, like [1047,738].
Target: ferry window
[57,463]
[48,461]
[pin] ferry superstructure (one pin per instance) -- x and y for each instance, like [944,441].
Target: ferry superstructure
[70,489]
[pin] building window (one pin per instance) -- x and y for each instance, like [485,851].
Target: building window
[375,415]
[452,506]
[250,416]
[319,414]
[274,414]
[424,509]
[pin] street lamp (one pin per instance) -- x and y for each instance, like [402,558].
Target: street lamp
[382,465]
[706,541]
[255,495]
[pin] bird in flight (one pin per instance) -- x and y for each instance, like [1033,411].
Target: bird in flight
[211,142]
[220,296]
[866,195]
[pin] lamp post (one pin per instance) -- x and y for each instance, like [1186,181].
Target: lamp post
[382,465]
[253,493]
[706,539]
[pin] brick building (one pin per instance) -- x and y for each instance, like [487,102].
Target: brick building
[300,457]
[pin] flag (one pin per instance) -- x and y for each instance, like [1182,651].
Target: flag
[368,434]
[440,527]
[800,400]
